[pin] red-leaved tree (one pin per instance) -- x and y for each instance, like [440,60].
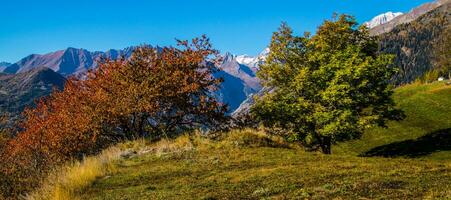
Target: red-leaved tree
[157,92]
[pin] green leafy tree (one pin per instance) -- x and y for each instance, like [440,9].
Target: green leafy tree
[328,87]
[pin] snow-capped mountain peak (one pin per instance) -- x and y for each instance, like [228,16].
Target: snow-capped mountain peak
[245,59]
[382,19]
[251,61]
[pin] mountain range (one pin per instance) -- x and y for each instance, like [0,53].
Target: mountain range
[406,35]
[70,61]
[238,72]
[390,23]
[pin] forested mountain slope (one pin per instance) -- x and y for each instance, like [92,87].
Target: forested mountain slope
[413,43]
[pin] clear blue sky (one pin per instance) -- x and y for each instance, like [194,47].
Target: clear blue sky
[240,27]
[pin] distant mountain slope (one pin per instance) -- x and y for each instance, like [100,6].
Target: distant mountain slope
[240,80]
[408,17]
[66,62]
[382,19]
[20,90]
[238,71]
[413,42]
[245,106]
[4,65]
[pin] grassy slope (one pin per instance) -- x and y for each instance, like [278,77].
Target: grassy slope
[253,173]
[211,170]
[428,110]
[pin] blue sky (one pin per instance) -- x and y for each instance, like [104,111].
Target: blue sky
[240,27]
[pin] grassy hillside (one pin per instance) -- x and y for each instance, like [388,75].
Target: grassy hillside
[254,173]
[251,165]
[425,131]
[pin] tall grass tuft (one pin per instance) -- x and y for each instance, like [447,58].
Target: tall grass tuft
[66,182]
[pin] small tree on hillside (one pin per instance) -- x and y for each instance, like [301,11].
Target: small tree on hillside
[160,91]
[154,93]
[328,87]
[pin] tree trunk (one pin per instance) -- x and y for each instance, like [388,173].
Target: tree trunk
[142,124]
[326,144]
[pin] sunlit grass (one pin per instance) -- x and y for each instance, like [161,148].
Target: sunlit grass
[250,164]
[427,107]
[64,183]
[212,170]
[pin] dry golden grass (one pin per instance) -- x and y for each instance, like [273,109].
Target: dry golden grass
[70,180]
[64,183]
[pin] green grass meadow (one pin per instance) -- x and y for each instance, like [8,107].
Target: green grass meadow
[410,159]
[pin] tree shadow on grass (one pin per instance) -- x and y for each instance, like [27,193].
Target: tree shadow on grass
[436,141]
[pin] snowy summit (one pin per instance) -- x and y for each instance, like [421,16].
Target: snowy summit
[251,61]
[382,19]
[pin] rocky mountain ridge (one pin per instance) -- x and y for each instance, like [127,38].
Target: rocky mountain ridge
[238,72]
[408,17]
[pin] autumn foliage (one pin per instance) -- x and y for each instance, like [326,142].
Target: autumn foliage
[158,92]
